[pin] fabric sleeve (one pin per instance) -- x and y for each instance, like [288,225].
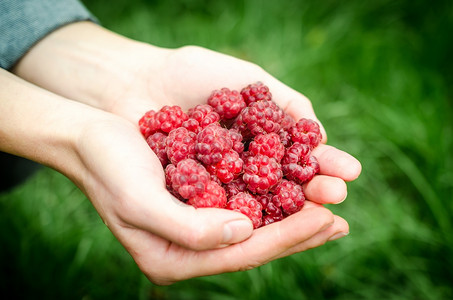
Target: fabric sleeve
[23,23]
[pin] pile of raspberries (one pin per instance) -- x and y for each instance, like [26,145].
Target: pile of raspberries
[239,151]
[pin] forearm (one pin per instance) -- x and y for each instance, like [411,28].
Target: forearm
[85,62]
[41,126]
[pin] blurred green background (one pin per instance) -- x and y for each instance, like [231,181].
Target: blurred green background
[379,74]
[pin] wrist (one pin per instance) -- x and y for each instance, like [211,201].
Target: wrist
[44,127]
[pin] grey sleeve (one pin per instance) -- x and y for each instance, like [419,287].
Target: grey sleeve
[24,22]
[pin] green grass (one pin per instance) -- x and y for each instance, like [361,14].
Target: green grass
[379,76]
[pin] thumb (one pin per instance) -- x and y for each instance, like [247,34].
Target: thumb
[187,226]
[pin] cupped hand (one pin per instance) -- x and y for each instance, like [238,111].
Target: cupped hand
[169,240]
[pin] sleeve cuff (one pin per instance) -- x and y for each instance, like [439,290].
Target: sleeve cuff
[24,23]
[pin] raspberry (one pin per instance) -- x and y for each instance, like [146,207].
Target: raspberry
[235,187]
[164,120]
[227,103]
[200,116]
[285,138]
[267,144]
[306,131]
[261,173]
[271,208]
[157,143]
[143,123]
[272,213]
[290,195]
[191,125]
[228,168]
[259,118]
[246,204]
[287,121]
[212,143]
[256,92]
[214,196]
[180,145]
[189,178]
[236,138]
[298,164]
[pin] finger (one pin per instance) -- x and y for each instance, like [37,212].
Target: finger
[337,163]
[196,229]
[339,229]
[265,244]
[165,263]
[325,189]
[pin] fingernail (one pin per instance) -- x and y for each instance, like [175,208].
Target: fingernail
[236,231]
[345,196]
[338,236]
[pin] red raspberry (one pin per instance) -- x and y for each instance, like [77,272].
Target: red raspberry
[228,168]
[272,214]
[259,118]
[272,211]
[285,138]
[236,138]
[267,144]
[287,121]
[256,92]
[180,145]
[157,143]
[247,204]
[235,187]
[298,164]
[245,155]
[189,178]
[212,143]
[143,123]
[306,131]
[227,103]
[290,195]
[200,116]
[261,173]
[214,196]
[164,120]
[191,125]
[170,169]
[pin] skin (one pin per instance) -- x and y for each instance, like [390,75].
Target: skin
[86,87]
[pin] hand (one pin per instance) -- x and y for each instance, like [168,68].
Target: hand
[168,240]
